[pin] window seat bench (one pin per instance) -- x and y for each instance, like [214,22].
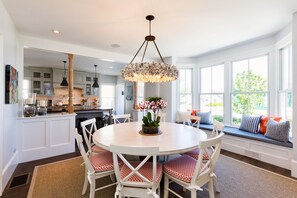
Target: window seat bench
[244,134]
[256,146]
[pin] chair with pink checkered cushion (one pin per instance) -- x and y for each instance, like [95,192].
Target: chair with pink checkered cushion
[192,174]
[97,166]
[218,127]
[88,128]
[137,178]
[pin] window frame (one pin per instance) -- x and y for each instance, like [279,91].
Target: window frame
[101,97]
[249,92]
[179,92]
[212,93]
[282,90]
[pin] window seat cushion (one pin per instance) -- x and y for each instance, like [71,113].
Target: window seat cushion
[244,134]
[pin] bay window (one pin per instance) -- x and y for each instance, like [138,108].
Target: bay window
[212,91]
[285,83]
[249,88]
[185,89]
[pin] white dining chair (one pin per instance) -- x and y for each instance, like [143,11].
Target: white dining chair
[96,166]
[137,178]
[190,120]
[218,128]
[121,118]
[88,128]
[192,174]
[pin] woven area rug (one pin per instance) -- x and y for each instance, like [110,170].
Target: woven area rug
[237,179]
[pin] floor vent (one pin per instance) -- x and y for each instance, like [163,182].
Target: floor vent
[19,180]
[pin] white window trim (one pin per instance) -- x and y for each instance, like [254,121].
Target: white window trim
[178,88]
[213,93]
[256,92]
[284,44]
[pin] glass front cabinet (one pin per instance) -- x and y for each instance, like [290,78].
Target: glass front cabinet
[42,82]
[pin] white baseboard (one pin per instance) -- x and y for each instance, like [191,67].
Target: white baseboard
[9,169]
[294,168]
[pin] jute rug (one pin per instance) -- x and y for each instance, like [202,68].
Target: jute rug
[64,179]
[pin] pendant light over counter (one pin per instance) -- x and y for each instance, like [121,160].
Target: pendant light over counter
[95,85]
[64,81]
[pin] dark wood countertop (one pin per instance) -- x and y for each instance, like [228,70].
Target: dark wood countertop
[78,109]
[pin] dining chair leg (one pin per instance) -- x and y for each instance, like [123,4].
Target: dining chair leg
[92,186]
[210,188]
[193,193]
[215,182]
[158,191]
[166,186]
[85,183]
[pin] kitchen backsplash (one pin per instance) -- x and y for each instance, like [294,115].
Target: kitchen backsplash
[60,97]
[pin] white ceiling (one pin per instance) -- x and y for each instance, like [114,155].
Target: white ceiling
[182,28]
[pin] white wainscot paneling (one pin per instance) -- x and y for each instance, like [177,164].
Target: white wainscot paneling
[58,138]
[46,136]
[34,135]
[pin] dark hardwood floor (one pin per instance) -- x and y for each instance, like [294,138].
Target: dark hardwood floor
[28,167]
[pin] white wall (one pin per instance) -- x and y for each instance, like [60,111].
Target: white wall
[9,49]
[151,90]
[107,79]
[294,91]
[128,103]
[120,98]
[167,91]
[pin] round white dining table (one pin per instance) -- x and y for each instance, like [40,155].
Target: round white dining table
[174,138]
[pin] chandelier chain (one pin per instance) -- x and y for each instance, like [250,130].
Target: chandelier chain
[158,51]
[144,52]
[137,51]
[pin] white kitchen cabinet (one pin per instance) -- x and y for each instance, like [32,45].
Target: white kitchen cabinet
[41,80]
[45,136]
[89,81]
[79,77]
[58,76]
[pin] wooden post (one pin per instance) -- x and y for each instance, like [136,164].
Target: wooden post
[70,84]
[135,88]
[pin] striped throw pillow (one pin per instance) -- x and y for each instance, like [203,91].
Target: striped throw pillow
[250,123]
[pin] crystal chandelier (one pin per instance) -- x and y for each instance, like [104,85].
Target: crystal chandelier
[149,72]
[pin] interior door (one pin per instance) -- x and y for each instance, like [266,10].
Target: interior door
[120,98]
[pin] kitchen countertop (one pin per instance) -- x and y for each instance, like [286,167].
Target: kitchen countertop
[56,109]
[51,115]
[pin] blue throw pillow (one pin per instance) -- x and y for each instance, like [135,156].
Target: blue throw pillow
[205,117]
[250,123]
[278,130]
